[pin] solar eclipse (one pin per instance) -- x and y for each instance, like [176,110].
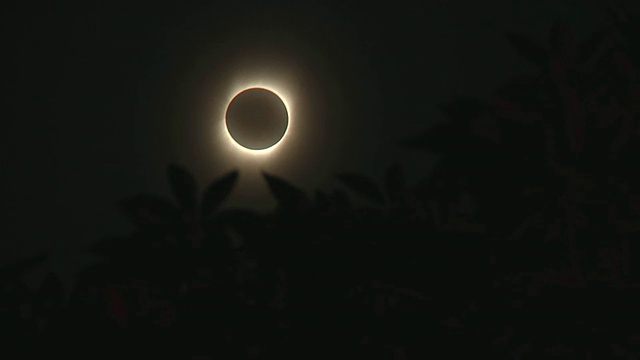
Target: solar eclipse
[256,119]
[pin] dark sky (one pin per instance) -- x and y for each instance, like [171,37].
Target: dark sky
[100,98]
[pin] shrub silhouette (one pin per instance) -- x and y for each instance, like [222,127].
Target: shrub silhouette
[548,161]
[540,263]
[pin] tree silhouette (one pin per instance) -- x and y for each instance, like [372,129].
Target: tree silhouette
[544,160]
[520,245]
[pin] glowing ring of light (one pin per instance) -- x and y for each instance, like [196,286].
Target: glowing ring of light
[281,94]
[274,109]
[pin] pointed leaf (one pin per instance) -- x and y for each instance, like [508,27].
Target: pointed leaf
[440,137]
[362,186]
[112,247]
[17,268]
[627,26]
[530,93]
[562,41]
[288,196]
[240,217]
[463,109]
[394,181]
[324,204]
[217,192]
[149,211]
[595,44]
[529,49]
[183,186]
[342,200]
[321,198]
[52,289]
[241,225]
[453,134]
[624,22]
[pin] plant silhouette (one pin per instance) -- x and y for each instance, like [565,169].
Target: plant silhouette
[521,244]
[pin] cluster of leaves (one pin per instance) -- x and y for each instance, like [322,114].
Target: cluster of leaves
[542,263]
[550,160]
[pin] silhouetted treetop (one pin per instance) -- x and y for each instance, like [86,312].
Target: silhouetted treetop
[289,197]
[362,186]
[217,192]
[530,49]
[184,188]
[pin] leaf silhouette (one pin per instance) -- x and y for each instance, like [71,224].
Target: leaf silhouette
[362,186]
[341,198]
[562,40]
[463,109]
[454,133]
[525,91]
[440,137]
[528,48]
[287,195]
[148,210]
[111,247]
[18,268]
[321,198]
[217,192]
[52,289]
[624,22]
[241,226]
[183,186]
[394,181]
[627,27]
[594,45]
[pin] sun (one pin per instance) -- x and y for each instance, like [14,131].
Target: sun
[273,87]
[257,118]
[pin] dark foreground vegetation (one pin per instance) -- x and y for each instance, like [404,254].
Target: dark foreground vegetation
[523,244]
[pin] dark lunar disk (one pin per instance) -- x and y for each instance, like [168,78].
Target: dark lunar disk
[257,118]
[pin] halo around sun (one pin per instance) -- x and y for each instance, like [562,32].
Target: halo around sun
[283,97]
[257,118]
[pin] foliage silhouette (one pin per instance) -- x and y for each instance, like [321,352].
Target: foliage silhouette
[542,264]
[395,183]
[362,186]
[217,192]
[183,186]
[558,131]
[149,211]
[529,49]
[289,197]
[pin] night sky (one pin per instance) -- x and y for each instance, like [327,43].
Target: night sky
[99,99]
